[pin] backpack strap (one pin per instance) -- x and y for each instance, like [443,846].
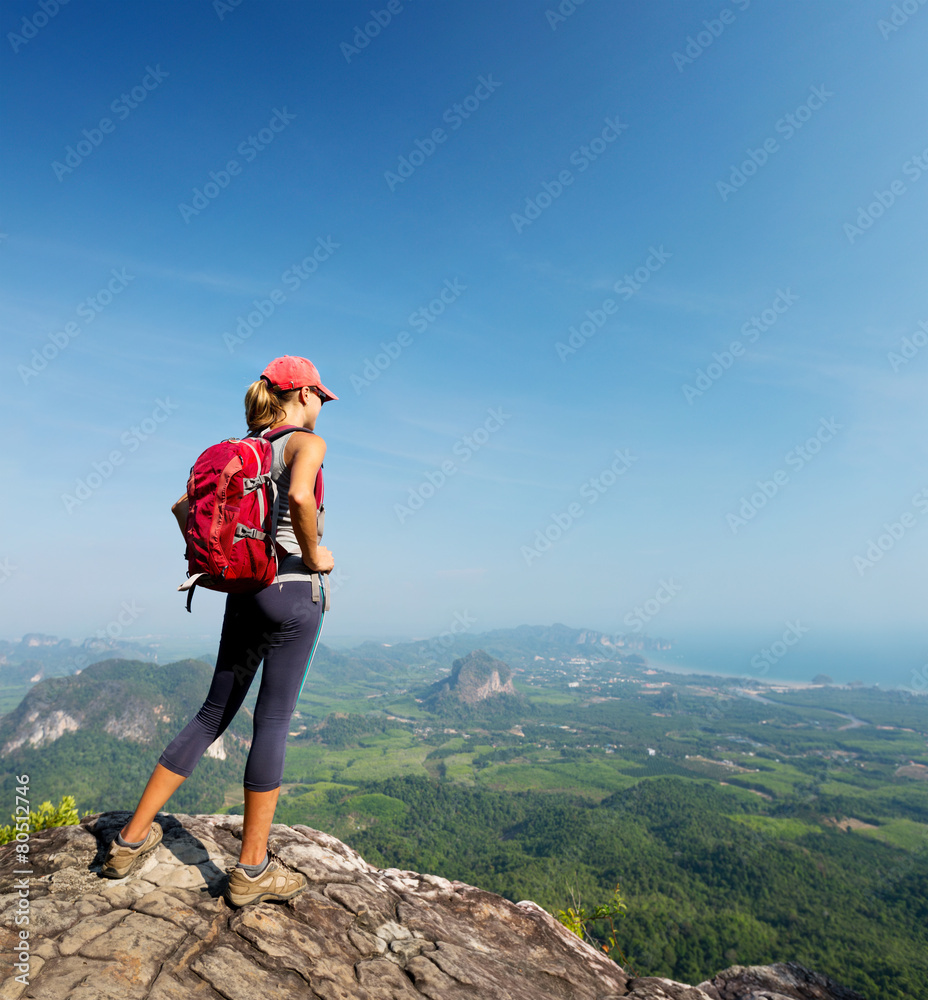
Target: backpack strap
[279,432]
[272,435]
[190,585]
[318,588]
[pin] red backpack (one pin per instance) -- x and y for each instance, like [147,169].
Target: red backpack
[232,516]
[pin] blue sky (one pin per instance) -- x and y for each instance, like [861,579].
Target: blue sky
[646,179]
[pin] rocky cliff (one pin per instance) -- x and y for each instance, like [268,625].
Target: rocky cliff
[357,932]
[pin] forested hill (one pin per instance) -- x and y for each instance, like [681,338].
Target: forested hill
[96,735]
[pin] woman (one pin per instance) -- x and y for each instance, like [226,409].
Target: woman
[279,624]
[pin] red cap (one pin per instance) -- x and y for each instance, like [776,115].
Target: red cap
[293,373]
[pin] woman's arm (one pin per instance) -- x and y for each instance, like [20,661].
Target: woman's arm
[179,510]
[308,452]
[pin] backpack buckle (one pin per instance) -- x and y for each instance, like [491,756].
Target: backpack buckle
[242,532]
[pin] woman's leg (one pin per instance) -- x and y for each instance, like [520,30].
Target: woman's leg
[259,814]
[246,636]
[298,622]
[237,661]
[161,786]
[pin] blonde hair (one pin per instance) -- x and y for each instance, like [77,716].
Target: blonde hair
[264,406]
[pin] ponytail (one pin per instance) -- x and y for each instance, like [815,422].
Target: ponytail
[264,407]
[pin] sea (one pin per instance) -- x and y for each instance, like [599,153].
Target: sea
[894,660]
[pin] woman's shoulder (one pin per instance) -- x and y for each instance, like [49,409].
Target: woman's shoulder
[303,437]
[299,442]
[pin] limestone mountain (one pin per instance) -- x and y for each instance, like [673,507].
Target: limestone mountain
[356,933]
[474,678]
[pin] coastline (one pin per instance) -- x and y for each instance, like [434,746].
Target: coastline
[769,682]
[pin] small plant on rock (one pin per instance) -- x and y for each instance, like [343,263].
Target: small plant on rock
[578,919]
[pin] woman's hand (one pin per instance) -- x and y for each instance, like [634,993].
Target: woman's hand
[324,561]
[179,510]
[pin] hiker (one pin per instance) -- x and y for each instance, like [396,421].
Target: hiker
[279,624]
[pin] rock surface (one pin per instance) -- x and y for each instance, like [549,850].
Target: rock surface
[357,933]
[774,982]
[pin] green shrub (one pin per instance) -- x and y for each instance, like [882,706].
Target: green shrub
[47,815]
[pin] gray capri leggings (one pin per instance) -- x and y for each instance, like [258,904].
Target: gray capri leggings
[281,625]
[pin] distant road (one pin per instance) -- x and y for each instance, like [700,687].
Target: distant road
[852,721]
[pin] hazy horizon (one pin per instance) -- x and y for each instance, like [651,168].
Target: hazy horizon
[891,662]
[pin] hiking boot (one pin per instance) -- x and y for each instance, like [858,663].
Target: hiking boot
[121,860]
[276,884]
